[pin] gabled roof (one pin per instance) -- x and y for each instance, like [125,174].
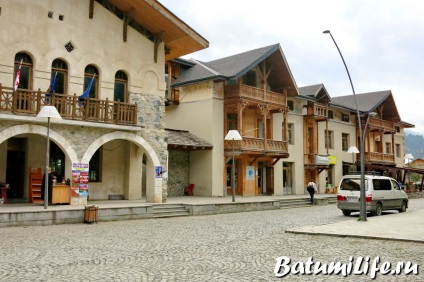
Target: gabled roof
[179,38]
[233,67]
[368,102]
[317,91]
[184,140]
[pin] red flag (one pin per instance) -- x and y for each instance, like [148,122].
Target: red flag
[18,76]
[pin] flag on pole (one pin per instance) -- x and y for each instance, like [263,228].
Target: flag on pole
[18,76]
[86,92]
[51,89]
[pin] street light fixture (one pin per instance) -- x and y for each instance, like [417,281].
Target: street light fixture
[47,112]
[353,150]
[233,135]
[363,211]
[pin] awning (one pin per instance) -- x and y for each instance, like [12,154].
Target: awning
[184,140]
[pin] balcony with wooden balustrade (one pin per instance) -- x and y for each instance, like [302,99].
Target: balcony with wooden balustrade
[258,146]
[254,94]
[317,111]
[376,124]
[29,102]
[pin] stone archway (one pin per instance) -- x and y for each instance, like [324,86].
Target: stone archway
[40,130]
[154,185]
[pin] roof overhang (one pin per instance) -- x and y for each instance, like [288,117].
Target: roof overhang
[179,38]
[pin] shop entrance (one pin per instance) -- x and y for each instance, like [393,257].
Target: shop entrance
[15,175]
[265,179]
[229,181]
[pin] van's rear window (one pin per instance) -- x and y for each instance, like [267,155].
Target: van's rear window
[352,184]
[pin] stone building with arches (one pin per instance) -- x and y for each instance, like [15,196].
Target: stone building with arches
[116,53]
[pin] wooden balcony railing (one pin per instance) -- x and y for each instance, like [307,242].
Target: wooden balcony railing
[29,102]
[257,144]
[317,110]
[385,125]
[246,91]
[379,157]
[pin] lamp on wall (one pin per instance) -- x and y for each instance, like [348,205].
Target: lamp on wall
[233,135]
[47,112]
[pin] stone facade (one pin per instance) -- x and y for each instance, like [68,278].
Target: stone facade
[178,172]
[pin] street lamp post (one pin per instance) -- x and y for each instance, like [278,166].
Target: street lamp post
[408,158]
[47,112]
[363,211]
[233,135]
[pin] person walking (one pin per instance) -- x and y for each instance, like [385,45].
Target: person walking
[312,190]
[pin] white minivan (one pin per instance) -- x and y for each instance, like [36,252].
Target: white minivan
[381,193]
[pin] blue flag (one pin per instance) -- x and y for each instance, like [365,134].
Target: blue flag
[51,89]
[87,91]
[53,84]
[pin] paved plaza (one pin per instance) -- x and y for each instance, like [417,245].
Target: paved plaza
[226,247]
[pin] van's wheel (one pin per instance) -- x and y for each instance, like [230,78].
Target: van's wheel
[378,210]
[403,207]
[346,212]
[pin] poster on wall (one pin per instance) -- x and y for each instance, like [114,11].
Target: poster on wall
[250,173]
[158,171]
[79,183]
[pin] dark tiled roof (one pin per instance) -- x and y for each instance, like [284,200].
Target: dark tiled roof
[231,67]
[367,102]
[184,140]
[311,90]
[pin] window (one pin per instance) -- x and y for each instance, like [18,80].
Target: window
[397,128]
[94,174]
[397,148]
[382,184]
[250,78]
[232,121]
[25,79]
[121,86]
[261,128]
[330,114]
[290,134]
[388,148]
[345,117]
[345,141]
[89,72]
[60,69]
[290,105]
[329,139]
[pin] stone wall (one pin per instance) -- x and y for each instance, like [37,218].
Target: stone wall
[178,172]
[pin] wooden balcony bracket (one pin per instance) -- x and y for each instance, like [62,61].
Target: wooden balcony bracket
[158,41]
[127,17]
[254,160]
[91,9]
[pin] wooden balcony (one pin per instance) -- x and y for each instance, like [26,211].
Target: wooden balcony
[29,102]
[258,145]
[379,158]
[253,93]
[317,111]
[379,124]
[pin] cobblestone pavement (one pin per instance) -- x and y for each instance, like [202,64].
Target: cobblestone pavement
[227,247]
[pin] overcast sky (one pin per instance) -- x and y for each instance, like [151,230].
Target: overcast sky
[382,42]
